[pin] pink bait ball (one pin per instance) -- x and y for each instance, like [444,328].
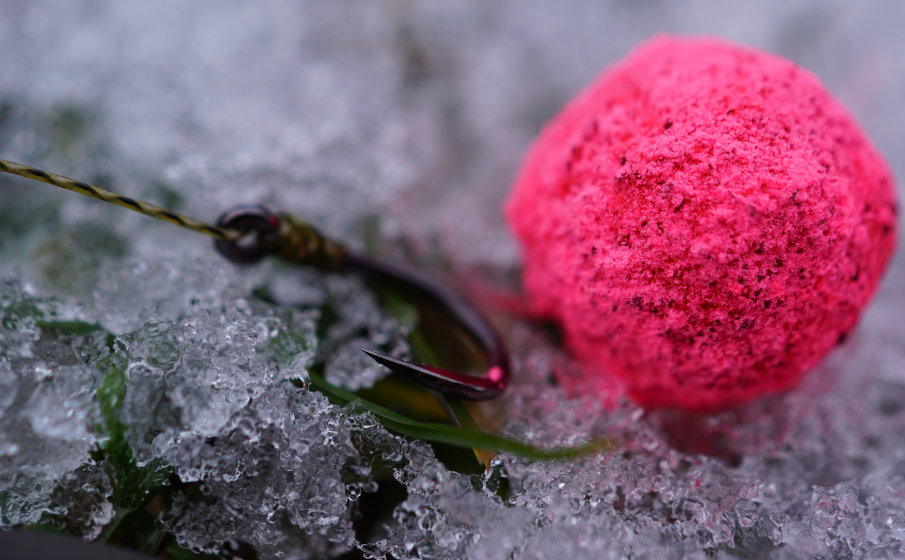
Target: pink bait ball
[705,222]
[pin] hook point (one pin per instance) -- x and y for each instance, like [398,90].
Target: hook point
[444,381]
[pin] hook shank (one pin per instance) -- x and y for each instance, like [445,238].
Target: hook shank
[296,241]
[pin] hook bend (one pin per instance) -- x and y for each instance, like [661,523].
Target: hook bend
[468,387]
[295,241]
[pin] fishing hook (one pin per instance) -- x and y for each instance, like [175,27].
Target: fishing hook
[295,241]
[247,234]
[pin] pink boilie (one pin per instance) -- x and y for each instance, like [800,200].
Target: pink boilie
[704,221]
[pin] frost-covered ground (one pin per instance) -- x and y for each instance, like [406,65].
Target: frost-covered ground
[403,121]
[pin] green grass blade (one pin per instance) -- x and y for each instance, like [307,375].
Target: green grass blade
[452,435]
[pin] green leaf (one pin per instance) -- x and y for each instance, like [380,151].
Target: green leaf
[452,435]
[73,328]
[12,312]
[133,486]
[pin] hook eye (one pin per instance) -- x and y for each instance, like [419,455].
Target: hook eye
[260,228]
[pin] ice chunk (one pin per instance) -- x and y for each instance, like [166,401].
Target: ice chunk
[47,431]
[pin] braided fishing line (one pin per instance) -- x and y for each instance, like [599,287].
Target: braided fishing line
[124,201]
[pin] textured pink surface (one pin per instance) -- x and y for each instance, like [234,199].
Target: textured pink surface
[705,222]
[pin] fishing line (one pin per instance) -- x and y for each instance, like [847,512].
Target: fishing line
[119,200]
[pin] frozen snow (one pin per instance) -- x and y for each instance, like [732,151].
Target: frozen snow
[398,126]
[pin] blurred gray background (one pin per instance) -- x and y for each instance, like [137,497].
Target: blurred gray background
[422,108]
